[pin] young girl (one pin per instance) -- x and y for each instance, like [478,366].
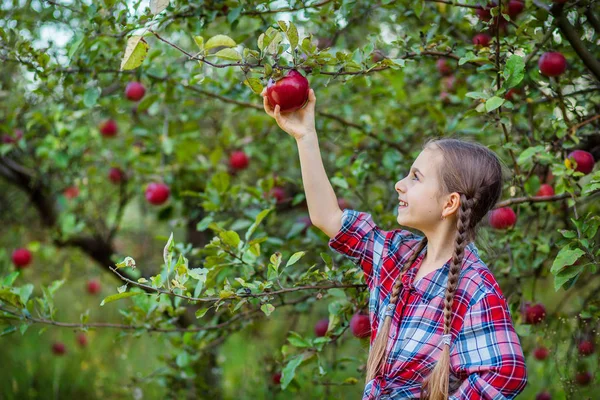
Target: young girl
[440,325]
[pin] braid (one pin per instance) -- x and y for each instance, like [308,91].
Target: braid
[435,386]
[378,349]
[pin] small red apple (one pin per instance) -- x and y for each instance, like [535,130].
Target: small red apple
[109,128]
[17,135]
[482,40]
[321,327]
[59,348]
[71,192]
[540,353]
[484,12]
[443,66]
[238,160]
[21,258]
[543,396]
[535,314]
[116,175]
[585,347]
[545,190]
[157,193]
[509,95]
[82,339]
[552,63]
[515,7]
[289,92]
[134,91]
[502,218]
[377,56]
[343,203]
[93,286]
[278,193]
[276,378]
[583,378]
[360,325]
[584,160]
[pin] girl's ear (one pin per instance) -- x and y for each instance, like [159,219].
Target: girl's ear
[451,204]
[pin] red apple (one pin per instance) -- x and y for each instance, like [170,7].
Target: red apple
[482,40]
[82,339]
[116,175]
[540,353]
[585,347]
[321,327]
[502,218]
[543,396]
[535,314]
[135,91]
[71,192]
[278,193]
[585,161]
[59,348]
[443,66]
[343,203]
[17,135]
[109,128]
[377,56]
[552,63]
[511,92]
[515,7]
[360,325]
[21,258]
[93,286]
[238,160]
[545,190]
[276,378]
[157,193]
[484,12]
[289,92]
[583,378]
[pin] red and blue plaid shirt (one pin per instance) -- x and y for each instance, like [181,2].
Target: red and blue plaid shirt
[485,353]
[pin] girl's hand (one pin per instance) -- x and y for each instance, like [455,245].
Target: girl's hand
[299,123]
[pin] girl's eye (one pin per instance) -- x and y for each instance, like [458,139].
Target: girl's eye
[415,175]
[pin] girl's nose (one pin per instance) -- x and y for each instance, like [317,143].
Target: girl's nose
[398,186]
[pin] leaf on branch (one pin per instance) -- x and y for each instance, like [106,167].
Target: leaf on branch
[261,215]
[135,53]
[565,257]
[493,102]
[267,309]
[199,40]
[157,6]
[295,257]
[127,262]
[219,41]
[119,296]
[254,84]
[229,54]
[167,251]
[289,371]
[514,71]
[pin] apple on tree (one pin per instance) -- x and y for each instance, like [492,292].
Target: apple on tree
[134,91]
[583,378]
[93,286]
[71,192]
[534,314]
[82,339]
[540,353]
[502,218]
[360,325]
[443,67]
[509,95]
[545,190]
[289,92]
[59,348]
[238,160]
[543,396]
[278,193]
[321,327]
[21,258]
[157,193]
[585,348]
[482,40]
[109,128]
[584,161]
[552,63]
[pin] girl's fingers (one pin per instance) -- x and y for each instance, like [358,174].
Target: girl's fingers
[277,113]
[267,106]
[311,96]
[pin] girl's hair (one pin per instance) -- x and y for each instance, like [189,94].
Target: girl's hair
[476,173]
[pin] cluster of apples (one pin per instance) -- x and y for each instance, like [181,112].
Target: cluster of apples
[60,349]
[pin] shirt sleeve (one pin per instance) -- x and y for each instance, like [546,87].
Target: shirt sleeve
[488,351]
[363,242]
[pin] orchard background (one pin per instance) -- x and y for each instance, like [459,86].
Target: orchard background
[155,241]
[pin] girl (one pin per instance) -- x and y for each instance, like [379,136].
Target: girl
[440,325]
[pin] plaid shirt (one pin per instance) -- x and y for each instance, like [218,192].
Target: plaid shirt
[485,353]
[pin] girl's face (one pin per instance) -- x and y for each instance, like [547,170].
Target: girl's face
[420,190]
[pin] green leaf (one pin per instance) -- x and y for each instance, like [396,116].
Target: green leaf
[259,218]
[289,371]
[267,309]
[10,297]
[514,71]
[566,256]
[135,53]
[127,262]
[119,296]
[199,40]
[167,251]
[254,84]
[202,225]
[10,278]
[297,340]
[225,294]
[565,275]
[229,54]
[75,46]
[275,260]
[493,102]
[230,238]
[25,292]
[91,96]
[157,6]
[295,257]
[219,41]
[201,312]
[8,330]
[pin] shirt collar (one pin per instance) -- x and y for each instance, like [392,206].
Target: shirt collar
[433,284]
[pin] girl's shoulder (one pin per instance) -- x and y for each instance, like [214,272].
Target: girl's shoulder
[476,280]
